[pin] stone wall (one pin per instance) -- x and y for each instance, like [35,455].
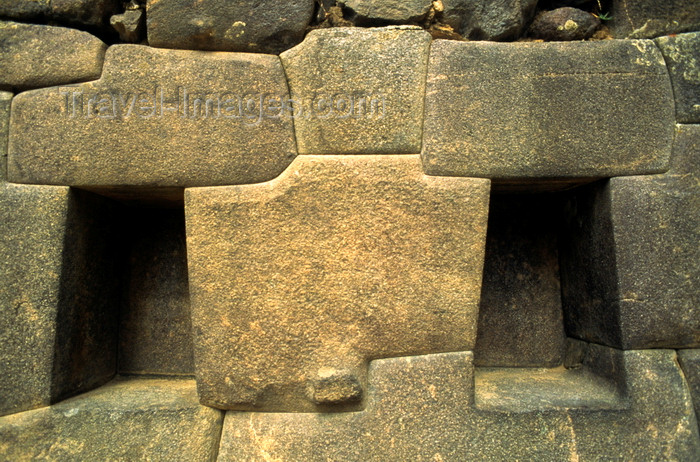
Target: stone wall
[318,230]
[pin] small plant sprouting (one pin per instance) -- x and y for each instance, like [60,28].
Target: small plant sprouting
[603,16]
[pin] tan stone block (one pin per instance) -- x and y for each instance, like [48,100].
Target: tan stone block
[296,283]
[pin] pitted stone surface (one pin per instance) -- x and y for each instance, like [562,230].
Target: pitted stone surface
[148,123]
[651,18]
[488,19]
[35,56]
[547,111]
[297,282]
[5,100]
[682,54]
[388,11]
[79,12]
[360,91]
[127,419]
[268,26]
[690,363]
[631,266]
[422,408]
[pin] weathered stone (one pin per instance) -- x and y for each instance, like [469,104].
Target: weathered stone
[131,25]
[147,124]
[35,56]
[539,113]
[631,263]
[384,12]
[422,408]
[690,363]
[340,260]
[520,314]
[360,91]
[5,100]
[268,26]
[127,419]
[58,295]
[651,18]
[564,24]
[489,19]
[682,54]
[155,329]
[75,12]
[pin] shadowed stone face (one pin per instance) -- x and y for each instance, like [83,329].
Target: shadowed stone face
[297,282]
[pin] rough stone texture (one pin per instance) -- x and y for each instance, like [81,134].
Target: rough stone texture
[267,26]
[361,90]
[520,314]
[690,363]
[388,11]
[76,12]
[631,264]
[422,408]
[5,101]
[127,419]
[35,56]
[651,18]
[564,24]
[339,260]
[131,25]
[155,329]
[489,19]
[547,112]
[132,127]
[682,54]
[58,297]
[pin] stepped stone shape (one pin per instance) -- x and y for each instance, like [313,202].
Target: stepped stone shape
[148,125]
[267,26]
[91,13]
[423,408]
[529,114]
[520,314]
[649,18]
[690,363]
[631,262]
[127,419]
[682,54]
[155,333]
[360,91]
[5,100]
[296,283]
[34,56]
[388,11]
[488,19]
[58,295]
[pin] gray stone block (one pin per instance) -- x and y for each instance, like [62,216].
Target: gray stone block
[488,19]
[651,18]
[91,13]
[532,113]
[359,91]
[127,419]
[631,263]
[156,120]
[5,102]
[382,12]
[690,364]
[34,56]
[682,55]
[267,26]
[58,295]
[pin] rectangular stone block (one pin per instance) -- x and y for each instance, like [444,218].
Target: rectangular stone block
[127,419]
[297,283]
[359,91]
[34,56]
[631,263]
[91,13]
[682,55]
[5,100]
[58,295]
[529,114]
[157,119]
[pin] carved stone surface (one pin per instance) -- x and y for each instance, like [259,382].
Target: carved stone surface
[651,18]
[359,91]
[547,111]
[148,124]
[89,13]
[682,55]
[297,282]
[388,11]
[488,19]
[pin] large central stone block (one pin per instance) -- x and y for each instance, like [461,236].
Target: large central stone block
[296,283]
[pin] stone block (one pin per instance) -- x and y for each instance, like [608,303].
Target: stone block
[359,91]
[532,113]
[631,262]
[372,12]
[423,408]
[34,56]
[91,13]
[267,26]
[690,364]
[520,314]
[147,124]
[650,18]
[58,295]
[488,19]
[682,55]
[5,101]
[155,333]
[296,283]
[127,419]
